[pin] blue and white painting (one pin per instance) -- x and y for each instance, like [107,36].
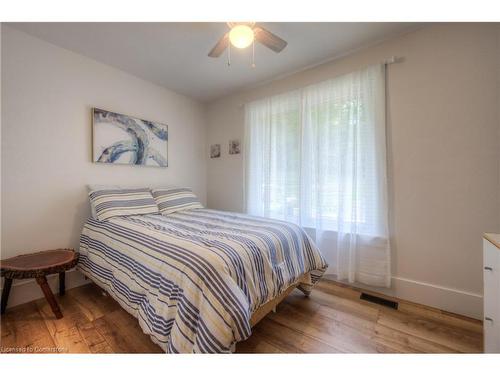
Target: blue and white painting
[121,139]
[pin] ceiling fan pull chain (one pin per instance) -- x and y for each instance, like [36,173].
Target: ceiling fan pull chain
[229,54]
[253,53]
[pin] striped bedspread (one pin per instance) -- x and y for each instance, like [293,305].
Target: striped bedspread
[194,278]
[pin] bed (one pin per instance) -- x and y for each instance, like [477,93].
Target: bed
[198,280]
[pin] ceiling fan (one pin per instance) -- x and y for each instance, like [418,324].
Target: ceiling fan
[242,34]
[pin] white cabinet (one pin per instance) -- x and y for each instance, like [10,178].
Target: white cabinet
[491,272]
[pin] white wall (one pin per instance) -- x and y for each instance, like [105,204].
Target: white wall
[443,155]
[47,96]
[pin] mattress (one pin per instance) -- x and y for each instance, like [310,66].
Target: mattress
[194,278]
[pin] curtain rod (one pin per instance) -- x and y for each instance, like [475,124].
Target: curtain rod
[391,60]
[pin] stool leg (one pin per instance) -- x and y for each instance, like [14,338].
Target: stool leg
[5,293]
[42,281]
[62,283]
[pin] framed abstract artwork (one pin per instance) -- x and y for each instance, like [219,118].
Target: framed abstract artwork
[122,139]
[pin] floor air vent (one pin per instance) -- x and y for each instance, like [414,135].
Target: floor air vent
[379,300]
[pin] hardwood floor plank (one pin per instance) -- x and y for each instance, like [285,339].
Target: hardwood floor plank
[338,289]
[290,340]
[405,343]
[93,302]
[65,331]
[356,308]
[341,337]
[350,313]
[257,344]
[460,322]
[123,333]
[331,320]
[459,340]
[93,338]
[22,327]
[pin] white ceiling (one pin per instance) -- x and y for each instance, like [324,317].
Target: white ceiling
[174,55]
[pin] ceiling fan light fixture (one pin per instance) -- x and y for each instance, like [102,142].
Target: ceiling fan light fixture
[241,36]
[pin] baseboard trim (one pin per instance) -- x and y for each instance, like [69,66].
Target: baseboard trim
[447,299]
[27,290]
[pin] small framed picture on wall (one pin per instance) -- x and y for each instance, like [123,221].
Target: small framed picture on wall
[234,147]
[214,151]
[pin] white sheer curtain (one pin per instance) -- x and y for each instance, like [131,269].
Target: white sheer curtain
[317,157]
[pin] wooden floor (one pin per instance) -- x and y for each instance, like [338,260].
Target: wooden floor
[332,320]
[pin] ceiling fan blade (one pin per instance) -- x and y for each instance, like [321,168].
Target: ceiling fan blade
[268,39]
[220,46]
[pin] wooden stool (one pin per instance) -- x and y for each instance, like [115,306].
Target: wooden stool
[38,266]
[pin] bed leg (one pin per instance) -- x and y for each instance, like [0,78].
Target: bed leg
[304,289]
[274,309]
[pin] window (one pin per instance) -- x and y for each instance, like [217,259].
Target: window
[317,157]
